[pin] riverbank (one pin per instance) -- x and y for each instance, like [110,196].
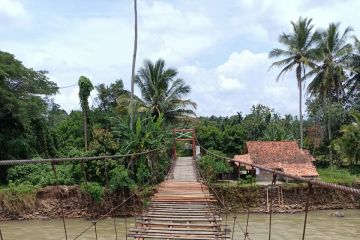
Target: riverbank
[289,198]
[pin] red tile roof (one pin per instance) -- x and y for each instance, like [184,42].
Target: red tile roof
[283,155]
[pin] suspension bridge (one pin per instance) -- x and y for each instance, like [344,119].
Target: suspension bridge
[185,206]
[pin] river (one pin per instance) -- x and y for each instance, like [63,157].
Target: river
[321,225]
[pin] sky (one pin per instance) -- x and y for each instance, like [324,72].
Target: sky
[220,48]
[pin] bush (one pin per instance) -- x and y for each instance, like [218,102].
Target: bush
[16,198]
[212,166]
[94,189]
[120,179]
[41,174]
[337,175]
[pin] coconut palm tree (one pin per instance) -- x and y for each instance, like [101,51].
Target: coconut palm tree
[329,75]
[162,92]
[299,53]
[353,83]
[133,68]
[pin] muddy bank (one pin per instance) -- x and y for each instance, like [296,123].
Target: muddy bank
[76,203]
[286,199]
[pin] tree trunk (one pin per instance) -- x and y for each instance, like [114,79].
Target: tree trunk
[298,76]
[330,137]
[133,70]
[85,130]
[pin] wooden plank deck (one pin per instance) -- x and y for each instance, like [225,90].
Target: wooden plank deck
[182,208]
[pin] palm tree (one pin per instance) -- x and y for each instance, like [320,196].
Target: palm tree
[163,93]
[133,69]
[353,83]
[329,76]
[299,53]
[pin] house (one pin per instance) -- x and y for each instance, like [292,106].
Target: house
[283,156]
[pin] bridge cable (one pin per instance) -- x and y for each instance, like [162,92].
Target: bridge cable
[60,199]
[121,204]
[309,193]
[110,203]
[246,235]
[220,200]
[1,236]
[273,182]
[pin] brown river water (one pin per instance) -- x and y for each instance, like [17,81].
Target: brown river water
[321,225]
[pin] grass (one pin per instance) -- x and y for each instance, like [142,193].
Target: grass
[17,198]
[338,175]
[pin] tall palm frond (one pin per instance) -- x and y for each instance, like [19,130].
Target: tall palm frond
[162,92]
[299,53]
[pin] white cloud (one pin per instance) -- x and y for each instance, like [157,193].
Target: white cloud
[219,48]
[240,82]
[12,11]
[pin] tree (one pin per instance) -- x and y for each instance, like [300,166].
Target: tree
[348,145]
[162,92]
[133,69]
[23,108]
[299,54]
[108,95]
[85,88]
[329,75]
[352,84]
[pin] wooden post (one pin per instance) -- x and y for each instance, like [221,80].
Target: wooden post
[193,145]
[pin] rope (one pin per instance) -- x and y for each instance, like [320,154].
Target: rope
[233,229]
[248,211]
[271,203]
[60,199]
[58,160]
[307,208]
[342,188]
[109,198]
[219,200]
[119,205]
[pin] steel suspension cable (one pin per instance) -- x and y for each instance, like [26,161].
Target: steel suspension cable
[342,188]
[57,160]
[119,205]
[271,203]
[220,200]
[307,208]
[60,199]
[109,197]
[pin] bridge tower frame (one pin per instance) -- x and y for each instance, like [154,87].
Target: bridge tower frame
[184,135]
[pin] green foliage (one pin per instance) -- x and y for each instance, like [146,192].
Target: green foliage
[248,180]
[94,189]
[212,166]
[40,174]
[18,197]
[338,175]
[348,145]
[120,179]
[163,93]
[276,131]
[23,109]
[70,133]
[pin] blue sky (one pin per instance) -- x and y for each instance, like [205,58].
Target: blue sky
[220,48]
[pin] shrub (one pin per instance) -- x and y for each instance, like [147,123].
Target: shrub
[41,174]
[16,198]
[120,179]
[94,189]
[212,166]
[337,175]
